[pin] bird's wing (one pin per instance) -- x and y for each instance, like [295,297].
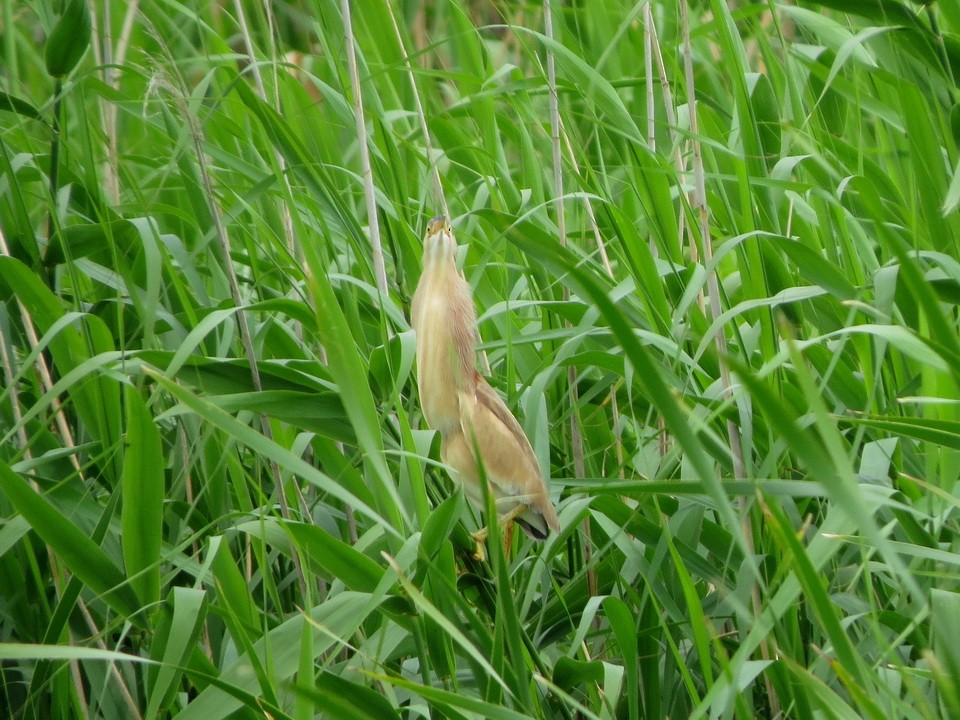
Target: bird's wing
[508,459]
[496,416]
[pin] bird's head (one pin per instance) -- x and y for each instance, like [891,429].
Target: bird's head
[439,243]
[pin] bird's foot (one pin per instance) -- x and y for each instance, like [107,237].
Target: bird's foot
[507,524]
[480,538]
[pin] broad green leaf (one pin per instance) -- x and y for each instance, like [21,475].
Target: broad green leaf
[348,700]
[28,651]
[944,607]
[933,430]
[815,591]
[188,613]
[321,412]
[338,616]
[763,103]
[348,369]
[96,396]
[11,103]
[445,699]
[819,271]
[596,87]
[82,240]
[11,533]
[672,579]
[440,524]
[339,560]
[143,484]
[625,631]
[79,553]
[267,448]
[568,673]
[232,589]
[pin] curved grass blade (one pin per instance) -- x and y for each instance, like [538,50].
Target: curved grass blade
[82,556]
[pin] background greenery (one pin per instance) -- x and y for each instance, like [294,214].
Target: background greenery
[218,496]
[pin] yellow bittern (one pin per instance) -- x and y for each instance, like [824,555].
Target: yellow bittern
[479,437]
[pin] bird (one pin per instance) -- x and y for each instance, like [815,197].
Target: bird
[479,436]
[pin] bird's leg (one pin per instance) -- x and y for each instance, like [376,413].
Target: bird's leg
[479,538]
[508,538]
[506,522]
[514,514]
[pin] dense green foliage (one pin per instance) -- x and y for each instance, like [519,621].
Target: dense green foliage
[217,495]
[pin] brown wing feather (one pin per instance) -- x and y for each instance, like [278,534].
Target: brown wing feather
[489,400]
[508,459]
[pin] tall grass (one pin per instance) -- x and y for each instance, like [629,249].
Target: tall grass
[218,495]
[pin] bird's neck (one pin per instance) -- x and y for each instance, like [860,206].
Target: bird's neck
[440,250]
[438,267]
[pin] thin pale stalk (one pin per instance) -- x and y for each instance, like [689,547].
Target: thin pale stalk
[608,268]
[96,635]
[188,476]
[555,131]
[110,59]
[713,288]
[421,115]
[43,373]
[576,434]
[103,56]
[648,72]
[668,101]
[588,207]
[652,48]
[651,106]
[9,376]
[678,159]
[293,243]
[703,217]
[289,235]
[77,679]
[369,194]
[379,269]
[248,46]
[246,339]
[11,385]
[287,219]
[126,32]
[112,78]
